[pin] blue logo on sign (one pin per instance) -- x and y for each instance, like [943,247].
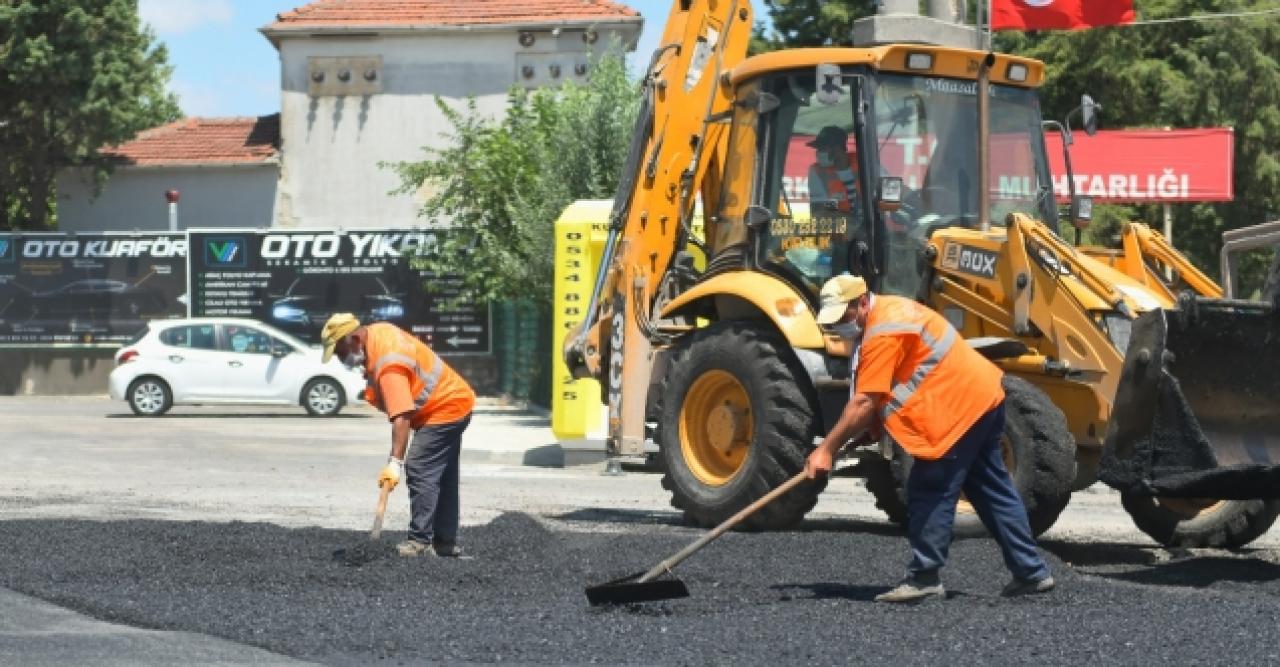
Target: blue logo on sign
[6,250]
[225,251]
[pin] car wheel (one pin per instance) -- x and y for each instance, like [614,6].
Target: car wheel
[322,397]
[149,397]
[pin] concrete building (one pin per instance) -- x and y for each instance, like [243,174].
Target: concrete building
[359,84]
[224,169]
[360,80]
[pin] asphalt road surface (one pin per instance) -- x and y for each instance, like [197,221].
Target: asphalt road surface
[226,527]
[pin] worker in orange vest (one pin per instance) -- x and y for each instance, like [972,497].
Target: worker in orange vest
[419,393]
[943,403]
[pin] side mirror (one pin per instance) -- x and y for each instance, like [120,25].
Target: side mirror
[1089,113]
[828,86]
[280,351]
[890,196]
[1081,211]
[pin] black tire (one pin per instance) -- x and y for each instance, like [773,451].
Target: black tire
[323,397]
[884,485]
[1039,451]
[1229,524]
[783,421]
[149,396]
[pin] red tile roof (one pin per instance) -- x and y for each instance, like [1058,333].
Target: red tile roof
[346,13]
[219,141]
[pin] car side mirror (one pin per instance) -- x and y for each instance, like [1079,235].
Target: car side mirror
[280,352]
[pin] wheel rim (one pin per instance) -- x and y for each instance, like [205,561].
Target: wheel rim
[716,427]
[149,397]
[323,397]
[963,506]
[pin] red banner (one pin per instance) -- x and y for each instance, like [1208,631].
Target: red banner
[1132,166]
[1029,15]
[1146,166]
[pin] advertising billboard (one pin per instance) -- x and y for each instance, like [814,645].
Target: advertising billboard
[294,280]
[88,290]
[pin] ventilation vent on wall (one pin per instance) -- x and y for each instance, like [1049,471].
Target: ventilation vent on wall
[350,75]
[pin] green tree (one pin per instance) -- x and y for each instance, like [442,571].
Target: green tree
[799,23]
[75,75]
[501,183]
[1206,73]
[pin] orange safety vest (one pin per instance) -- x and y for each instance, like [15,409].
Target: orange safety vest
[940,388]
[836,189]
[440,395]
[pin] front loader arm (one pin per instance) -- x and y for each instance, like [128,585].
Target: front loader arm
[678,136]
[1141,242]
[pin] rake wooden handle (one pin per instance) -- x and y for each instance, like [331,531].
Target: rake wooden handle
[382,508]
[721,529]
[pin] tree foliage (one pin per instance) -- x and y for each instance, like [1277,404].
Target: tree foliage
[1207,73]
[811,23]
[502,182]
[75,75]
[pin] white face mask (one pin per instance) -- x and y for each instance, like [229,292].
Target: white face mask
[825,159]
[847,330]
[354,360]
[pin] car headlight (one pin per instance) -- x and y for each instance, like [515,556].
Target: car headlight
[390,311]
[287,313]
[1119,329]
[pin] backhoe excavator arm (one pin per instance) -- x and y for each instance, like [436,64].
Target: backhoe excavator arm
[679,134]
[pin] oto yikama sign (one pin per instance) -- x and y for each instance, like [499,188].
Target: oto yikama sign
[88,290]
[295,280]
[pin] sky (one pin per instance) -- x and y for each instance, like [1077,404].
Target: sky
[224,67]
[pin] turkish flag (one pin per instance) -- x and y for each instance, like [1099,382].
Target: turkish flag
[1029,15]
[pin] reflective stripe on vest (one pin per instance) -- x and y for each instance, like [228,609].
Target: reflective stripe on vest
[429,380]
[837,189]
[937,350]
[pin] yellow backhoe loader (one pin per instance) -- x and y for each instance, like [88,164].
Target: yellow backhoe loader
[949,201]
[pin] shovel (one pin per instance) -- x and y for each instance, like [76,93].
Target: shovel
[647,587]
[363,553]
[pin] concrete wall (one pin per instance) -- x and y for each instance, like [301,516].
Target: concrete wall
[332,143]
[133,198]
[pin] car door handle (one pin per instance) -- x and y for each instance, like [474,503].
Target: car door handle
[175,358]
[234,364]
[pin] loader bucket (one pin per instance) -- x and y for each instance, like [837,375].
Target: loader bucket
[1197,410]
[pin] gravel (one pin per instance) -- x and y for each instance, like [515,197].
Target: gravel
[802,596]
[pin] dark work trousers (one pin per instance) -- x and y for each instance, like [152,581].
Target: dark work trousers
[973,465]
[431,473]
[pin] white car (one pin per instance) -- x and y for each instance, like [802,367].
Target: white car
[224,360]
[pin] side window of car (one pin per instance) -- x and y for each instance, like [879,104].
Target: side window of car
[176,336]
[247,340]
[198,337]
[277,344]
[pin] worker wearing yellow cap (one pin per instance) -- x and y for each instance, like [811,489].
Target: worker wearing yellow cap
[943,403]
[420,394]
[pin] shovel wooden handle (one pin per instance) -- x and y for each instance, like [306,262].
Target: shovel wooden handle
[722,528]
[382,508]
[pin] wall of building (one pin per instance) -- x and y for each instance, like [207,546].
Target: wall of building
[133,198]
[332,143]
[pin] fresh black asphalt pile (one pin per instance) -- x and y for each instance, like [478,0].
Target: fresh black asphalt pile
[792,597]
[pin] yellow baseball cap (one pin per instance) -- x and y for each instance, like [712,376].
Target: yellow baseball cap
[836,295]
[338,327]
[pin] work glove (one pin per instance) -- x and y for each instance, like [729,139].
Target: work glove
[391,473]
